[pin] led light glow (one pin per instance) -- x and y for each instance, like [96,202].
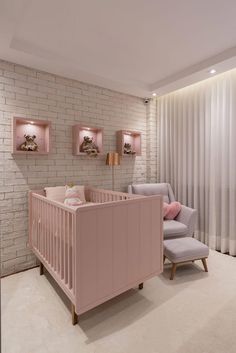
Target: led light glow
[212,71]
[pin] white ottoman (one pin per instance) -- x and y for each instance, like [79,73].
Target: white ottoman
[180,250]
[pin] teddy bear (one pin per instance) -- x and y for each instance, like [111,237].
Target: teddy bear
[128,149]
[89,146]
[29,144]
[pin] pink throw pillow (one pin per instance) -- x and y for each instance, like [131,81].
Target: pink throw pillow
[170,211]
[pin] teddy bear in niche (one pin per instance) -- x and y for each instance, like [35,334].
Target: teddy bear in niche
[89,146]
[128,149]
[29,144]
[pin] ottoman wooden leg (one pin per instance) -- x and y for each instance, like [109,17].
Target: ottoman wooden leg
[164,259]
[205,265]
[173,269]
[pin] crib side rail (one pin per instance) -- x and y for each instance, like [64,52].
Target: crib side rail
[103,195]
[52,232]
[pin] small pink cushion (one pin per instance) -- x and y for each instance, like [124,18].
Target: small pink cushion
[170,211]
[74,196]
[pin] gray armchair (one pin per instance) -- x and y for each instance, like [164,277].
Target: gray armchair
[184,224]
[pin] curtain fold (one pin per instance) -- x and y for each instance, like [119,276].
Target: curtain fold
[197,127]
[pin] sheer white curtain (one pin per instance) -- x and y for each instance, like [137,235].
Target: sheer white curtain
[197,127]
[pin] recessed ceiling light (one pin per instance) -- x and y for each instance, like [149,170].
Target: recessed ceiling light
[212,71]
[154,94]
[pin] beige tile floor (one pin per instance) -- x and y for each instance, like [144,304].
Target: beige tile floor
[195,313]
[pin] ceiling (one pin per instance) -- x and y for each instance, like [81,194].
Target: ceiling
[133,46]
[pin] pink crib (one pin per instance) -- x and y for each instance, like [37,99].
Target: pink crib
[100,250]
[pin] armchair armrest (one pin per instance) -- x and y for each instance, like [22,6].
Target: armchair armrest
[188,216]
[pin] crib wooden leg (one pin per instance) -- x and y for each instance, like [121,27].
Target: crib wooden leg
[140,286]
[41,269]
[74,315]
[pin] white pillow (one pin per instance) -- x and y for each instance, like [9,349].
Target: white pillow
[56,193]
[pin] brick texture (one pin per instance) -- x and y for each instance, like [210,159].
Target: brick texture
[26,92]
[152,146]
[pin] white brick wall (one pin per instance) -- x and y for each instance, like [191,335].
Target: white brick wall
[152,143]
[29,93]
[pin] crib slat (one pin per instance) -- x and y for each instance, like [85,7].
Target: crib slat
[53,220]
[47,227]
[56,238]
[43,229]
[50,221]
[36,224]
[69,250]
[73,253]
[39,233]
[60,241]
[44,232]
[41,226]
[38,245]
[66,249]
[64,245]
[52,235]
[38,209]
[33,223]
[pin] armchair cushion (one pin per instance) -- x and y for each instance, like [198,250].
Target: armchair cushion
[173,229]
